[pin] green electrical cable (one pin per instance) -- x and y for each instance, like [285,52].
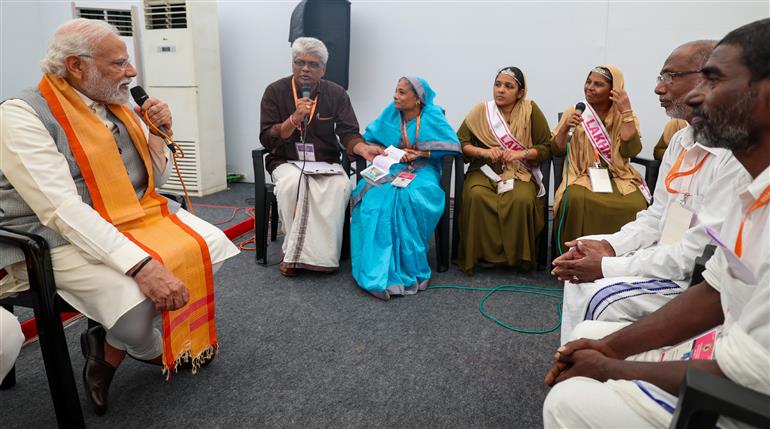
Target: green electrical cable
[564,201]
[529,289]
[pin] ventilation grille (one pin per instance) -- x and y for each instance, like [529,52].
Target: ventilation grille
[188,168]
[165,14]
[121,19]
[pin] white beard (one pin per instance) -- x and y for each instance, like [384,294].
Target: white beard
[99,88]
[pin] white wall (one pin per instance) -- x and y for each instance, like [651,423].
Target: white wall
[26,29]
[456,46]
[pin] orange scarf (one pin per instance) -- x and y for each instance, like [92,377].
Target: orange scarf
[189,332]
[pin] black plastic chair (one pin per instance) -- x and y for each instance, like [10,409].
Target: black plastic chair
[47,306]
[700,264]
[651,169]
[704,397]
[442,229]
[542,238]
[266,208]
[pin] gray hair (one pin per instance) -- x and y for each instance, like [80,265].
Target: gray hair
[309,45]
[76,37]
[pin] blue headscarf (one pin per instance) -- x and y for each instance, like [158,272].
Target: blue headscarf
[435,132]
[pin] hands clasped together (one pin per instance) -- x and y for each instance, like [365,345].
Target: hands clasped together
[583,358]
[583,261]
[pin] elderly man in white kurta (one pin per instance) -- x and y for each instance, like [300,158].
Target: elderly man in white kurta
[77,169]
[630,377]
[626,275]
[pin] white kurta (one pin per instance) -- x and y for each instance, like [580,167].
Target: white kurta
[742,348]
[313,219]
[89,272]
[641,258]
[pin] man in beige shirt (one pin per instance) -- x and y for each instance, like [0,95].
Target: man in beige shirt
[97,269]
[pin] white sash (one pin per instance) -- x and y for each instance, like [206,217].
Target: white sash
[503,134]
[597,134]
[600,140]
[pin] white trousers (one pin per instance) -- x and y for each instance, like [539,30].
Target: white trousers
[100,292]
[11,339]
[582,402]
[615,299]
[312,220]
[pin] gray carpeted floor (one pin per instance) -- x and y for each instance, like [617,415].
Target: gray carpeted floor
[316,351]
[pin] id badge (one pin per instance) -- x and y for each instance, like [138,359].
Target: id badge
[504,186]
[305,152]
[403,179]
[678,220]
[699,348]
[600,180]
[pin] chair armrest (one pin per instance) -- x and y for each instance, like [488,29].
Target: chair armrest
[360,166]
[704,397]
[646,162]
[178,198]
[37,256]
[700,264]
[651,168]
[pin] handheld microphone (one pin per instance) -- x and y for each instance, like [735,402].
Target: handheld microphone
[140,96]
[305,94]
[579,108]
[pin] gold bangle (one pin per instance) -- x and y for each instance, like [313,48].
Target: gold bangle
[627,111]
[628,119]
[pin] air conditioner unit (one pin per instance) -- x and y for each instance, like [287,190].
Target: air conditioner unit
[125,18]
[180,48]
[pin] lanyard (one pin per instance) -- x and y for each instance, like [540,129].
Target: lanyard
[761,201]
[674,173]
[597,162]
[315,101]
[416,132]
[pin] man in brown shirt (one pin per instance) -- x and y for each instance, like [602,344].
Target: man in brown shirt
[311,207]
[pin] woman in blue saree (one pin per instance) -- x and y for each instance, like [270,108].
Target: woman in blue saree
[392,225]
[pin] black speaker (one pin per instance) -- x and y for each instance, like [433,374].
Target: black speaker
[328,21]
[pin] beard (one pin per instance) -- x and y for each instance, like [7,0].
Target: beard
[101,88]
[726,126]
[679,110]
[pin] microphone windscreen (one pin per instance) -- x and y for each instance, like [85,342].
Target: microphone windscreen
[580,107]
[305,90]
[139,95]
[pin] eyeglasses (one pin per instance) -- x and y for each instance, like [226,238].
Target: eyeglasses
[668,77]
[315,65]
[121,64]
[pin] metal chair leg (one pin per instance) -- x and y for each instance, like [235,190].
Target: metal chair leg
[345,254]
[9,380]
[273,217]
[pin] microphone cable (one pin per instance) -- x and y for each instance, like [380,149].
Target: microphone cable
[179,153]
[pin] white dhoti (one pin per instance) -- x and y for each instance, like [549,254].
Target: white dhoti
[100,292]
[312,221]
[11,339]
[583,402]
[616,299]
